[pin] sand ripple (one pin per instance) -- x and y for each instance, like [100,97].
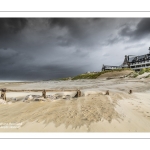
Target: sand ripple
[75,112]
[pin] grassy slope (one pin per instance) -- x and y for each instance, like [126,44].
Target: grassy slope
[95,75]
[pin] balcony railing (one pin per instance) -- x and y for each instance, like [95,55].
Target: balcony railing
[140,67]
[112,67]
[140,63]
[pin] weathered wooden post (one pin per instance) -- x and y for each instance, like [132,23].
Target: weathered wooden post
[78,94]
[130,92]
[3,94]
[44,93]
[107,92]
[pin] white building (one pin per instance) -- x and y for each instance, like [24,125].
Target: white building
[134,62]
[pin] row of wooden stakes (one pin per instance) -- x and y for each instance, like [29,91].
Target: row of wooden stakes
[3,94]
[107,92]
[78,94]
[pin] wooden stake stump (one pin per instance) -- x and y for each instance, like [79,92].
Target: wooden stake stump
[78,94]
[107,92]
[44,93]
[130,92]
[3,94]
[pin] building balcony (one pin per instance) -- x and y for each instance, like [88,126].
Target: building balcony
[140,63]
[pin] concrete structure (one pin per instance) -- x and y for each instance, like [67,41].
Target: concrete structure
[134,62]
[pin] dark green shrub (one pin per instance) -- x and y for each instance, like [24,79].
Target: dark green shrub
[135,75]
[147,70]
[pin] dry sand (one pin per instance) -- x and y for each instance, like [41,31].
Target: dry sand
[93,112]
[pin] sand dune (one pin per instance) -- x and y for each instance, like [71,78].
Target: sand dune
[115,74]
[75,112]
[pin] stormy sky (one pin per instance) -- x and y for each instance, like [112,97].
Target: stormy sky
[51,48]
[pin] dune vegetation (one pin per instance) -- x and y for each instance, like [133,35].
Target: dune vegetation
[94,75]
[142,71]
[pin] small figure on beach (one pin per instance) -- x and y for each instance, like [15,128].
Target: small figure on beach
[44,93]
[107,92]
[3,94]
[130,92]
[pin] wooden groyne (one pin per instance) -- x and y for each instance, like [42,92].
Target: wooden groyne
[40,90]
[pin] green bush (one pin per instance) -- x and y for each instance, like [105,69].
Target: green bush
[135,75]
[142,71]
[147,70]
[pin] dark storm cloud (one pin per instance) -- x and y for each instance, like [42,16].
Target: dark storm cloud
[130,32]
[142,30]
[11,25]
[47,72]
[50,48]
[79,30]
[143,27]
[72,24]
[34,51]
[69,22]
[7,56]
[9,30]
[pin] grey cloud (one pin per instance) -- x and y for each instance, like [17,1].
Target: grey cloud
[141,31]
[11,25]
[6,53]
[143,27]
[81,53]
[63,41]
[126,31]
[50,48]
[7,56]
[80,31]
[72,24]
[112,41]
[106,55]
[46,72]
[134,46]
[10,30]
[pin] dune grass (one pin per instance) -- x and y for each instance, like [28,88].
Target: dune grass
[144,70]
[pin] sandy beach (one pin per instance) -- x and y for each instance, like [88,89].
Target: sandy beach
[92,112]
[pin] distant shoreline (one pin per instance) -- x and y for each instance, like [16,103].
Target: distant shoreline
[7,81]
